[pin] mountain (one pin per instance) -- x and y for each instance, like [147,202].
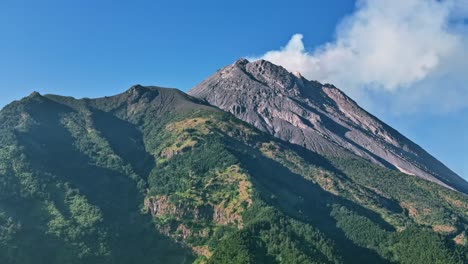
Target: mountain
[319,117]
[153,175]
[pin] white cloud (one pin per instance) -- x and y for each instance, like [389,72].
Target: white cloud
[414,52]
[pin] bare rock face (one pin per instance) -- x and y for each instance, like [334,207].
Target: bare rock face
[318,117]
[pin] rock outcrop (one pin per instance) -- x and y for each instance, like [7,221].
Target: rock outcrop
[317,116]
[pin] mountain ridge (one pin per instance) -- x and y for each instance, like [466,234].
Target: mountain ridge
[153,174]
[319,117]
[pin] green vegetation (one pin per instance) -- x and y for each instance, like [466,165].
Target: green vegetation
[154,176]
[66,196]
[272,237]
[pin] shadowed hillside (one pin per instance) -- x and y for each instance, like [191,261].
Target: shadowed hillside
[153,175]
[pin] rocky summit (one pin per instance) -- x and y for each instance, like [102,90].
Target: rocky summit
[292,171]
[319,117]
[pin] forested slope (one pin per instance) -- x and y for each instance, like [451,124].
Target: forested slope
[155,176]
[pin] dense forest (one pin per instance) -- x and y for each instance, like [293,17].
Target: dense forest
[155,176]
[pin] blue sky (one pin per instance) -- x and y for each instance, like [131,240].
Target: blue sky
[97,48]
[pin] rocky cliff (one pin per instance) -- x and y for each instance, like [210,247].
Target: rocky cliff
[319,117]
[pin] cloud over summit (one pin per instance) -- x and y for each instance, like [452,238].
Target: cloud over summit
[412,52]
